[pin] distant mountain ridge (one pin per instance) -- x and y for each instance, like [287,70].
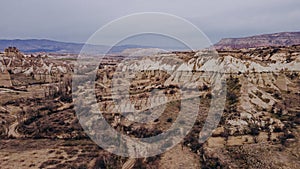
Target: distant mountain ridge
[41,45]
[264,40]
[51,46]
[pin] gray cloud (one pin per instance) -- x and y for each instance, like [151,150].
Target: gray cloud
[77,20]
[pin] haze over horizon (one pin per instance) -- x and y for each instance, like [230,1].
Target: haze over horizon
[76,21]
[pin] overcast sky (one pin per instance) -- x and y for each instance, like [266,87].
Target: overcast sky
[77,20]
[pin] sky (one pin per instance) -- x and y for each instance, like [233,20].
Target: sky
[78,20]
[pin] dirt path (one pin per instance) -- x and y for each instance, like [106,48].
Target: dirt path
[12,130]
[178,158]
[11,90]
[129,163]
[64,106]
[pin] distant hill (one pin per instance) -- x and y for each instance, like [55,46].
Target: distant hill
[50,46]
[41,45]
[275,39]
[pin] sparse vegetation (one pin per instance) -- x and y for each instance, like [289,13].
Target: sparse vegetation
[261,115]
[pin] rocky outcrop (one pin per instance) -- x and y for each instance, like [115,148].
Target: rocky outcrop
[5,79]
[19,69]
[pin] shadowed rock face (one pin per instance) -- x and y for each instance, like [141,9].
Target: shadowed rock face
[276,39]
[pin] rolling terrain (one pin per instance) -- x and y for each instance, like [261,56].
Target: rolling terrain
[259,126]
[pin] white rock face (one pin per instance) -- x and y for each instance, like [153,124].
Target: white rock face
[29,71]
[238,122]
[229,64]
[256,72]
